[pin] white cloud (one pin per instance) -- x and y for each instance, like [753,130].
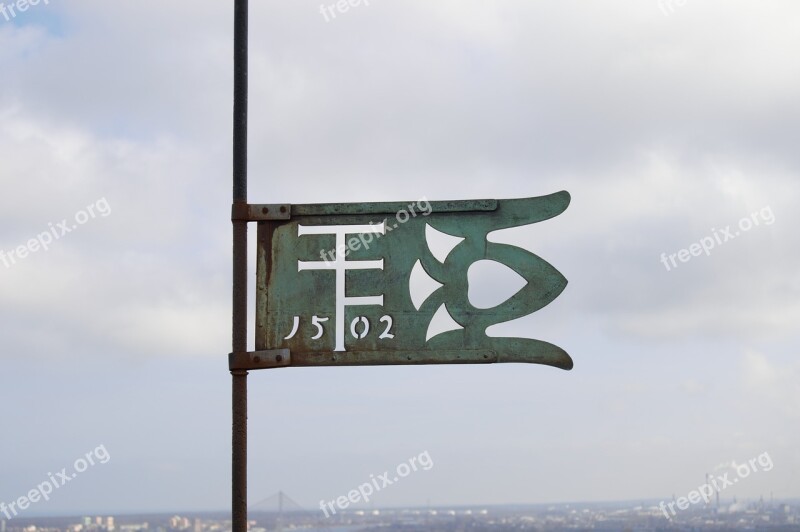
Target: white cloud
[772,385]
[662,128]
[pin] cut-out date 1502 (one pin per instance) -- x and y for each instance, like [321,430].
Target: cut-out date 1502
[359,328]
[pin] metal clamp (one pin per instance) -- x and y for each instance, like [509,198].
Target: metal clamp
[274,358]
[245,212]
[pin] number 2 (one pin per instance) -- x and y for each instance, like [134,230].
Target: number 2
[386,333]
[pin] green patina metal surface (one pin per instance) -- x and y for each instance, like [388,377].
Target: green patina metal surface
[334,283]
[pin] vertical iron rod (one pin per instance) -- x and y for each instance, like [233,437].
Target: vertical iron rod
[239,321]
[240,41]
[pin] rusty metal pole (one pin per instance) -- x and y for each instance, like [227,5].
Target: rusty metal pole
[239,322]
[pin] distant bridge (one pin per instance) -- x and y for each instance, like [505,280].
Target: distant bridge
[277,503]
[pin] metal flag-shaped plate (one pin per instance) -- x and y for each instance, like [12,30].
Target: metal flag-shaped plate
[387,283]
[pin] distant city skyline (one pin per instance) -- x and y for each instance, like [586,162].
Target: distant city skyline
[644,515]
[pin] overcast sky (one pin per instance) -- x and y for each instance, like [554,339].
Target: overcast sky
[667,123]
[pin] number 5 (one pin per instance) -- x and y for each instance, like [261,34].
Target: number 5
[316,321]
